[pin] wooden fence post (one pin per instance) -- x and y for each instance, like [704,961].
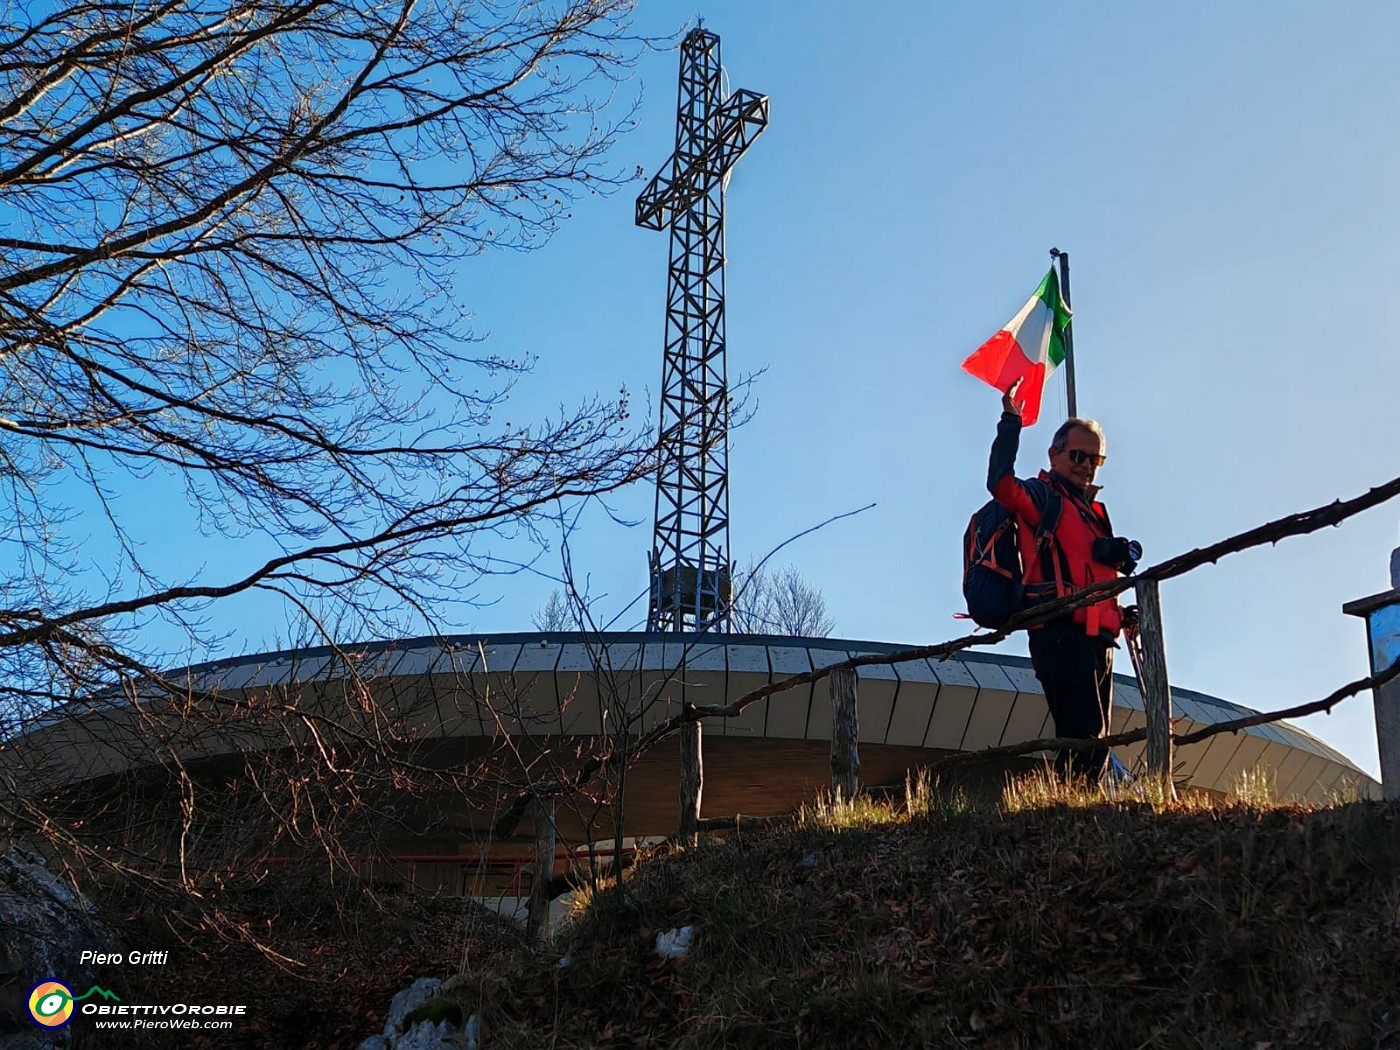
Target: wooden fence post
[845,734]
[537,918]
[1156,688]
[692,782]
[1382,615]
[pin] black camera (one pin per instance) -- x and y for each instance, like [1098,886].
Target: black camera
[1119,553]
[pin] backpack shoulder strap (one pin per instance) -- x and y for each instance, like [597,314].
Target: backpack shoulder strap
[1053,564]
[1042,495]
[1094,513]
[1050,514]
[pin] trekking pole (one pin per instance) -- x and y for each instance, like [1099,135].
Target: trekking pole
[1135,653]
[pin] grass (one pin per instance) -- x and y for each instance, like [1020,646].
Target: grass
[1253,787]
[1052,916]
[1057,916]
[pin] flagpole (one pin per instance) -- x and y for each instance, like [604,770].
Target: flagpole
[1063,259]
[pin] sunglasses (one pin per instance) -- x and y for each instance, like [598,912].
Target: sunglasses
[1076,456]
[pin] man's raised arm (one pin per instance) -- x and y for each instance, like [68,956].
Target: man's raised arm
[1001,467]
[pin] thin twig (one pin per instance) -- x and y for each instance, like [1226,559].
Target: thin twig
[1298,524]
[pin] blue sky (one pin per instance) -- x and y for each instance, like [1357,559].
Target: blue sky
[1224,179]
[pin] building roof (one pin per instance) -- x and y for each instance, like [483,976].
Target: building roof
[970,701]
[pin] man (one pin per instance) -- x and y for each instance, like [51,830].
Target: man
[1073,654]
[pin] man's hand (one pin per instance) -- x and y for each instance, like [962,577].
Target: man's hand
[1008,399]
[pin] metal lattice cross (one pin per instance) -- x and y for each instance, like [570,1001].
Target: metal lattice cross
[690,570]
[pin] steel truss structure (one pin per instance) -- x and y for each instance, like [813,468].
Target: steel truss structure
[689,566]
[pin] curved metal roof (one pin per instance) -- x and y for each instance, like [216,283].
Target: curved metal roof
[970,701]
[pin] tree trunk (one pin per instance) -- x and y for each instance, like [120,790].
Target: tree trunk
[619,809]
[1156,690]
[537,922]
[845,733]
[692,783]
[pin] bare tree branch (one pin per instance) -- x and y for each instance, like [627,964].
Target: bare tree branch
[779,602]
[1292,525]
[1233,725]
[232,238]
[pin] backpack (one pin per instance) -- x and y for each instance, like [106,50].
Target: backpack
[994,577]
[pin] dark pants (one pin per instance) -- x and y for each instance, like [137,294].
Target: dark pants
[1076,671]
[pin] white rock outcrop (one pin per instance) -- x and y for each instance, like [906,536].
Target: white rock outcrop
[44,926]
[444,1034]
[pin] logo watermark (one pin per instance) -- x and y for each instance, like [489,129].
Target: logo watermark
[51,1002]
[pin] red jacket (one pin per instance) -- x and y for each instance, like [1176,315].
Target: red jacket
[1082,520]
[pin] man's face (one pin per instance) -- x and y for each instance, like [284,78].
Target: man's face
[1082,445]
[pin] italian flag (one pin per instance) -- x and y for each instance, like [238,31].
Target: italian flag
[1029,348]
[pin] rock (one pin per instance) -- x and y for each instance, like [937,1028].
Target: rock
[434,1011]
[420,1018]
[809,861]
[675,944]
[44,926]
[405,1002]
[429,1036]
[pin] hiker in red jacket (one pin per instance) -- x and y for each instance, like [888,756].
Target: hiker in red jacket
[1073,654]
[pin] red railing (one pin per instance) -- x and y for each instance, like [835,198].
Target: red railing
[517,862]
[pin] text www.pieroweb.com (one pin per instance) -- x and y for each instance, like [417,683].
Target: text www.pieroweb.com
[181,1016]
